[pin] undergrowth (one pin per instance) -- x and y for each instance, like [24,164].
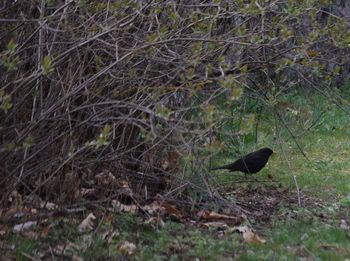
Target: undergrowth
[312,231]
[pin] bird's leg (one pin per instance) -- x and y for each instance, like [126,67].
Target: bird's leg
[250,178]
[255,179]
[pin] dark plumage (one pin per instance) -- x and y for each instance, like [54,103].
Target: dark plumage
[250,163]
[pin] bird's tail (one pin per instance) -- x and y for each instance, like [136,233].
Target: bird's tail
[221,167]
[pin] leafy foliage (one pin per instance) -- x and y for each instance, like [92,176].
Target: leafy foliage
[132,83]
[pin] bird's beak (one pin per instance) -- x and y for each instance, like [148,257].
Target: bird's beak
[274,152]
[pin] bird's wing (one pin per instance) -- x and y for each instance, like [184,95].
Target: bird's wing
[252,157]
[250,160]
[255,160]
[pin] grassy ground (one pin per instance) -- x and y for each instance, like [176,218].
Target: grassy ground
[315,231]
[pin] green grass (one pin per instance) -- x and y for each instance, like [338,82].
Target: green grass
[309,232]
[325,173]
[306,238]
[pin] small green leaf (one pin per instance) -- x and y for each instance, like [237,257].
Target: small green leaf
[106,130]
[345,201]
[247,124]
[46,65]
[11,47]
[236,93]
[103,137]
[163,111]
[10,146]
[5,103]
[244,68]
[28,142]
[10,62]
[190,73]
[227,82]
[347,38]
[209,114]
[151,38]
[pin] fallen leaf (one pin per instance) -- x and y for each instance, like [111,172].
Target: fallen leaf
[87,223]
[153,208]
[127,248]
[15,198]
[249,236]
[172,211]
[214,224]
[105,178]
[64,249]
[29,234]
[123,187]
[155,220]
[125,208]
[8,214]
[87,191]
[24,226]
[211,215]
[2,232]
[45,231]
[109,235]
[48,205]
[337,250]
[344,225]
[162,208]
[77,258]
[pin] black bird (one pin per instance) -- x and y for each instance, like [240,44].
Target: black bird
[250,163]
